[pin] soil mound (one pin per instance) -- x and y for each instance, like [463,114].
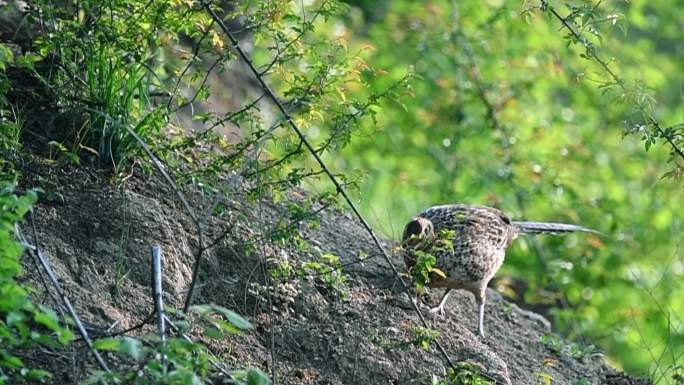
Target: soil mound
[98,234]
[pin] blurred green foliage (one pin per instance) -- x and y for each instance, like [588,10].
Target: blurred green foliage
[509,110]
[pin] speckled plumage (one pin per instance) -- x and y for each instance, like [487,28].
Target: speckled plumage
[476,239]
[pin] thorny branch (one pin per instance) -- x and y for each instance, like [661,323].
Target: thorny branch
[195,55]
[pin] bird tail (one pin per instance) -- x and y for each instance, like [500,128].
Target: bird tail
[550,228]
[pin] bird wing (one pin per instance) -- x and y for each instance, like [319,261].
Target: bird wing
[478,238]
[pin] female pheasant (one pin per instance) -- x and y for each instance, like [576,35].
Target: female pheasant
[469,244]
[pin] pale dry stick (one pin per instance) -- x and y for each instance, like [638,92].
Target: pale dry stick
[159,300]
[340,189]
[35,250]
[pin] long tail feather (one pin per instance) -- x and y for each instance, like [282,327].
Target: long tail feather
[550,228]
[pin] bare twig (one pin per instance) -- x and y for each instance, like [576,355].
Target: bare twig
[130,329]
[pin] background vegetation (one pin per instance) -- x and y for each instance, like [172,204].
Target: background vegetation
[414,103]
[509,109]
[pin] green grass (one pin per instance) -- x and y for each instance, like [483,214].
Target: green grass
[117,96]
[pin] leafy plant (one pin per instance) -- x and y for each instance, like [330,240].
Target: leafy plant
[543,376]
[423,337]
[179,360]
[570,349]
[101,62]
[328,269]
[465,374]
[11,120]
[425,262]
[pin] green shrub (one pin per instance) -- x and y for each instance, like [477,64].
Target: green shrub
[178,360]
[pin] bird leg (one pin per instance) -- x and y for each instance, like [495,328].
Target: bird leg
[439,309]
[481,305]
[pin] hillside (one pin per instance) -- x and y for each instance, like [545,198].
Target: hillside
[356,332]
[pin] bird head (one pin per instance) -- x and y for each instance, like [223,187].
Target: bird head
[417,233]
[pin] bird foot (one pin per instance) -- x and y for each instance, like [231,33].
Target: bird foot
[438,311]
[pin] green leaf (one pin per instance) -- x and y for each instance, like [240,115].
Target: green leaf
[213,332]
[235,318]
[257,377]
[109,344]
[131,347]
[47,318]
[38,374]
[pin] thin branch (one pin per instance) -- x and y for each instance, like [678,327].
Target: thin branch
[348,118]
[278,162]
[289,44]
[292,180]
[233,114]
[34,249]
[340,189]
[616,79]
[130,329]
[199,89]
[264,271]
[195,55]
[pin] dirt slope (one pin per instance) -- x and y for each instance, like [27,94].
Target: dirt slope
[88,227]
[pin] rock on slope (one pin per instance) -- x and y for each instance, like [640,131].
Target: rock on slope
[89,228]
